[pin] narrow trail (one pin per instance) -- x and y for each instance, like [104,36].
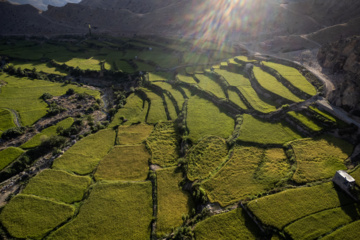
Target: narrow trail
[16,117]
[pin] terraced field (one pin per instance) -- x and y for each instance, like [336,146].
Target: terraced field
[9,155]
[6,120]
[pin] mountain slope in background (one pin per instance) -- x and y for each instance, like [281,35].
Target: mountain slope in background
[43,4]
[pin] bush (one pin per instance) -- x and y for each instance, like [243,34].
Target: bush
[12,133]
[46,96]
[70,91]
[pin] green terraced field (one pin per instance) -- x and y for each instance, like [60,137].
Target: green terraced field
[305,120]
[319,158]
[256,102]
[271,84]
[254,130]
[294,77]
[84,64]
[173,202]
[234,97]
[157,111]
[9,155]
[134,134]
[164,144]
[46,133]
[282,208]
[250,171]
[84,156]
[58,185]
[40,67]
[36,218]
[231,225]
[160,57]
[6,120]
[174,92]
[23,95]
[234,79]
[347,232]
[103,214]
[129,163]
[210,85]
[204,118]
[186,79]
[205,157]
[160,76]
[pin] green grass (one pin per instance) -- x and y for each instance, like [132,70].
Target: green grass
[245,59]
[271,84]
[231,225]
[119,210]
[293,76]
[37,217]
[234,97]
[173,202]
[157,111]
[145,67]
[40,67]
[171,108]
[318,224]
[319,158]
[195,58]
[234,79]
[84,64]
[186,79]
[210,85]
[133,111]
[164,145]
[255,101]
[250,171]
[325,115]
[59,185]
[174,92]
[254,130]
[9,155]
[23,95]
[204,118]
[84,156]
[282,208]
[134,134]
[305,120]
[356,174]
[160,76]
[6,120]
[46,133]
[124,163]
[349,232]
[205,157]
[160,57]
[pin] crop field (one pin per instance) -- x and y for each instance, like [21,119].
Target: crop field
[58,185]
[134,134]
[231,225]
[305,120]
[282,208]
[145,66]
[36,218]
[103,214]
[294,77]
[84,156]
[40,67]
[324,222]
[23,95]
[186,79]
[134,111]
[245,59]
[204,118]
[157,109]
[250,171]
[271,84]
[234,97]
[234,79]
[174,92]
[164,144]
[9,155]
[205,157]
[160,76]
[319,158]
[347,232]
[46,133]
[124,163]
[254,130]
[356,174]
[325,115]
[171,107]
[173,202]
[161,58]
[210,85]
[6,120]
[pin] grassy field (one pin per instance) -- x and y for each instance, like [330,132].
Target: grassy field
[171,108]
[164,144]
[257,131]
[234,97]
[186,79]
[157,111]
[9,155]
[356,174]
[250,171]
[23,95]
[204,118]
[205,157]
[234,79]
[90,63]
[37,217]
[305,120]
[319,158]
[119,210]
[134,134]
[318,224]
[210,85]
[134,111]
[350,232]
[46,133]
[124,163]
[6,120]
[160,76]
[40,67]
[59,185]
[231,225]
[175,93]
[173,202]
[244,59]
[84,156]
[293,76]
[160,57]
[325,115]
[271,84]
[282,208]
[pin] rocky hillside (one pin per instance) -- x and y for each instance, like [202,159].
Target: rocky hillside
[343,58]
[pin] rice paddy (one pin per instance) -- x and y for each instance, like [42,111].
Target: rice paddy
[134,134]
[6,120]
[157,110]
[209,84]
[8,155]
[305,121]
[176,94]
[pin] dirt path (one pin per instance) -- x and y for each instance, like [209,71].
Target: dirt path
[285,6]
[16,117]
